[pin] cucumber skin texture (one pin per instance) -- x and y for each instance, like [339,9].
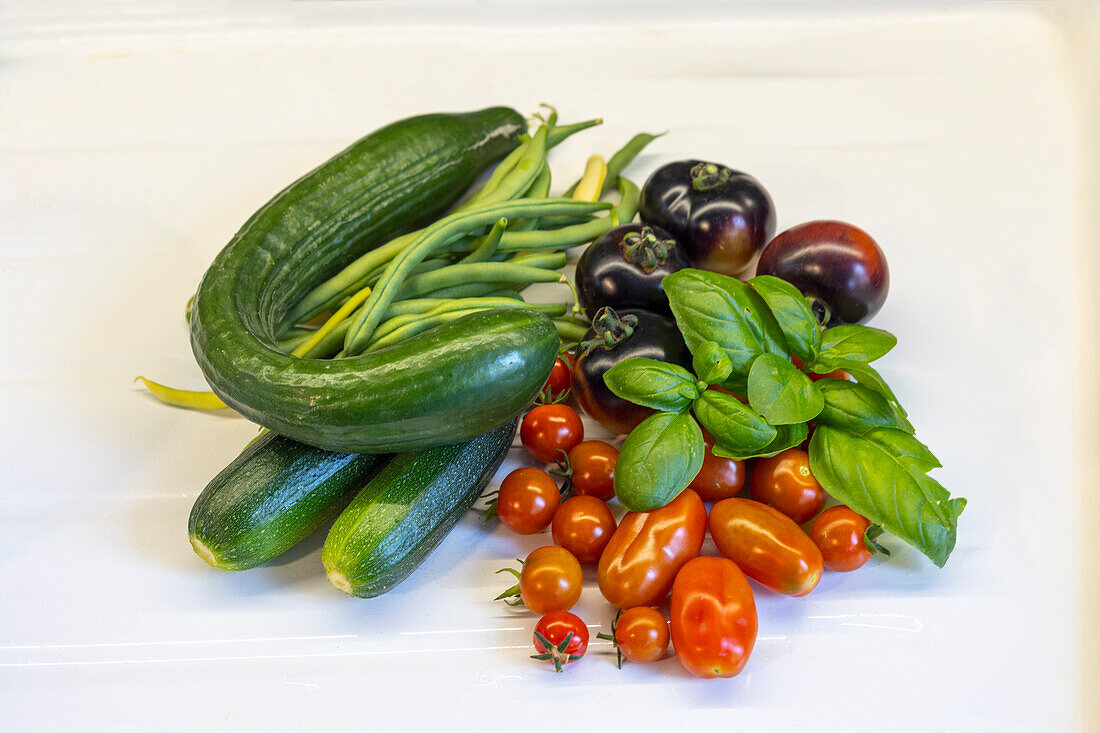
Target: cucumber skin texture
[391,181]
[274,494]
[407,509]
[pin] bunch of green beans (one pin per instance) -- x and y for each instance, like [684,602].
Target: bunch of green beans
[505,236]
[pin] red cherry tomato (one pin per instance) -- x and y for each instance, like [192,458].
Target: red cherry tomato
[648,548]
[551,580]
[583,525]
[719,478]
[713,617]
[767,545]
[527,500]
[593,465]
[838,532]
[641,634]
[559,380]
[554,628]
[784,482]
[549,429]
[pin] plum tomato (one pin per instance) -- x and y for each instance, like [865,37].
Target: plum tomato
[551,580]
[641,634]
[527,501]
[583,525]
[616,336]
[648,549]
[839,267]
[547,430]
[722,217]
[624,269]
[560,637]
[592,463]
[838,532]
[784,482]
[713,617]
[719,478]
[559,381]
[767,545]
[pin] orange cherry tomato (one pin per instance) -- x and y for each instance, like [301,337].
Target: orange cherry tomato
[593,466]
[838,532]
[583,525]
[713,617]
[641,634]
[549,429]
[527,501]
[648,549]
[767,545]
[784,482]
[719,478]
[551,580]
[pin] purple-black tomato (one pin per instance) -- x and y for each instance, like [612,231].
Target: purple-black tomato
[624,269]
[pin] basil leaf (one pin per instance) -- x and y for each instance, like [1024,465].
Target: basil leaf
[866,375]
[793,314]
[732,423]
[711,363]
[855,343]
[857,408]
[652,383]
[781,392]
[658,460]
[877,475]
[713,307]
[786,436]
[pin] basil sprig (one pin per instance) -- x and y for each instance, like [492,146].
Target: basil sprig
[742,337]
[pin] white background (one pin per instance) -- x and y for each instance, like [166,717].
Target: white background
[135,138]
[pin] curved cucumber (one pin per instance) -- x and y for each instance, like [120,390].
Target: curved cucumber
[269,498]
[406,511]
[391,181]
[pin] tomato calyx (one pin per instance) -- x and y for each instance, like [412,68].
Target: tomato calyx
[870,540]
[611,637]
[547,396]
[556,654]
[611,329]
[563,470]
[512,595]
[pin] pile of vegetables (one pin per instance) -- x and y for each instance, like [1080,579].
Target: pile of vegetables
[369,318]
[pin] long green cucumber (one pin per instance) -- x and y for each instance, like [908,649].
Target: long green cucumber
[270,497]
[391,181]
[406,510]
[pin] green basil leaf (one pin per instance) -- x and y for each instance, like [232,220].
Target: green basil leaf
[866,375]
[652,383]
[711,363]
[781,392]
[855,343]
[732,423]
[856,408]
[877,475]
[793,314]
[786,436]
[713,307]
[658,460]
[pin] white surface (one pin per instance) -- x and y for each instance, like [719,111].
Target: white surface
[133,145]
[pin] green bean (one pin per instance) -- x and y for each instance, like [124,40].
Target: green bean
[540,189]
[488,244]
[390,325]
[495,272]
[515,181]
[561,133]
[545,260]
[290,343]
[411,329]
[570,330]
[423,305]
[466,290]
[623,157]
[435,237]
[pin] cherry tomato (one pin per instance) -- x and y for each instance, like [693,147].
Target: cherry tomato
[838,532]
[641,634]
[593,465]
[835,374]
[784,482]
[838,266]
[713,617]
[583,525]
[527,500]
[719,478]
[554,628]
[551,580]
[767,545]
[559,380]
[548,429]
[648,548]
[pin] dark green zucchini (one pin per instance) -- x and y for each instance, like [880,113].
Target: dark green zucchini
[406,510]
[391,181]
[270,497]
